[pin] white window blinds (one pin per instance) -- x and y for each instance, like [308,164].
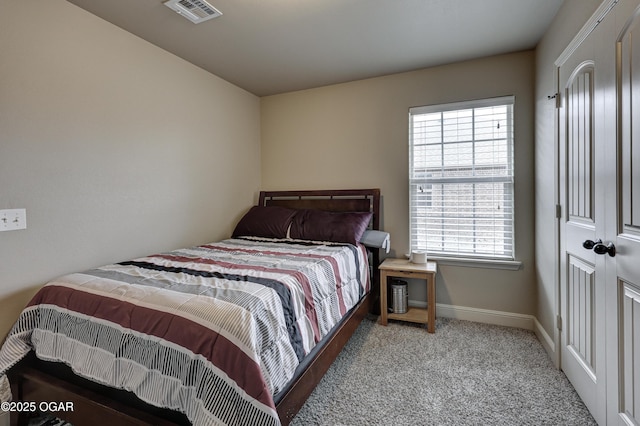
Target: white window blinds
[461,179]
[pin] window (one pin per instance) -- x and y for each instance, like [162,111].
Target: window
[461,179]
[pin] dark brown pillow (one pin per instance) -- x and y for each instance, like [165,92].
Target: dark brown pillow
[318,225]
[265,221]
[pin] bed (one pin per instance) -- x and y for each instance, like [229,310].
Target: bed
[238,331]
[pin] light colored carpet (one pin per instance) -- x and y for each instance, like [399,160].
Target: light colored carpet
[465,374]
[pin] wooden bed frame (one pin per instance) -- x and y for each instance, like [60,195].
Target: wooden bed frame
[34,380]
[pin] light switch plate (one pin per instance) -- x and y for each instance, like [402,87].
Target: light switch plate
[13,219]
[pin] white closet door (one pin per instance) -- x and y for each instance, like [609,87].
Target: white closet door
[582,144]
[623,230]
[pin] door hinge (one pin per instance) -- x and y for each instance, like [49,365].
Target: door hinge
[559,322]
[558,211]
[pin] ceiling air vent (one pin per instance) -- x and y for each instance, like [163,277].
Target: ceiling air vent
[194,10]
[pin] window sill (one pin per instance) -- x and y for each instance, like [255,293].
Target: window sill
[510,265]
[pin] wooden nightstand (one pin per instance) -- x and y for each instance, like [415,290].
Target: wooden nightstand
[402,268]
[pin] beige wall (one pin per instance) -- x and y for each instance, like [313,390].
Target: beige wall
[355,135]
[116,148]
[570,18]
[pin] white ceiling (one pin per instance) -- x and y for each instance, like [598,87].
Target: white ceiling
[275,46]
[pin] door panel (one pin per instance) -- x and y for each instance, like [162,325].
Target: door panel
[629,95]
[580,330]
[579,139]
[630,365]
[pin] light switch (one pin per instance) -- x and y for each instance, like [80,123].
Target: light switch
[13,219]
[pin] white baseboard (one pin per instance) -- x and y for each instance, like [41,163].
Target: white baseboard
[547,341]
[485,316]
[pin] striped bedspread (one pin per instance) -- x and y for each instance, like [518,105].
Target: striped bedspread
[212,331]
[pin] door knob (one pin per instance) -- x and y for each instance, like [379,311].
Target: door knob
[588,244]
[600,248]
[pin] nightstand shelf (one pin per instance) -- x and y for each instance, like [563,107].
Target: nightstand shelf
[418,315]
[402,268]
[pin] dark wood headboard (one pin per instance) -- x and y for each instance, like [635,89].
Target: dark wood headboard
[337,200]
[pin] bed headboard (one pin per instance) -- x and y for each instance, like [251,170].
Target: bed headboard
[337,200]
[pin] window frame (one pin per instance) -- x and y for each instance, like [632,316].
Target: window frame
[468,259]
